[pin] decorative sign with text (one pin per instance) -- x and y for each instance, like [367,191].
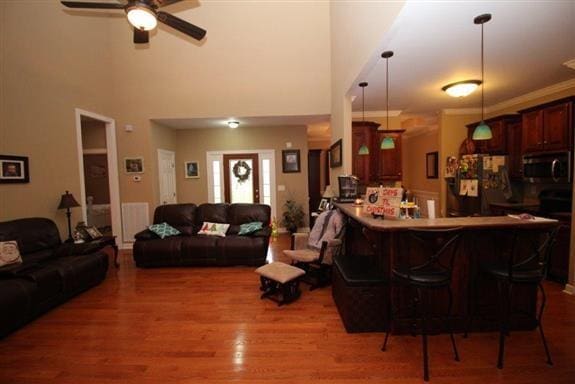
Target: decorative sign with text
[383,201]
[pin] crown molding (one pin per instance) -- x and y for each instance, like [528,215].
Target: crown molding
[543,92]
[419,131]
[392,113]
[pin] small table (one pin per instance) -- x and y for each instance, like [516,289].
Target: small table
[106,241]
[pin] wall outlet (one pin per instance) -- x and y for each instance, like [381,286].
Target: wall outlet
[129,128]
[288,144]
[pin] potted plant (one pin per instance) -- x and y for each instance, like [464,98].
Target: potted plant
[293,215]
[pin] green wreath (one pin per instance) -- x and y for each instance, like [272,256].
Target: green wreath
[242,171]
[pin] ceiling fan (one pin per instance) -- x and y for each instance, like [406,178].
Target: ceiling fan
[143,15]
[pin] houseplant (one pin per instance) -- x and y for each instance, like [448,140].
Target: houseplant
[293,215]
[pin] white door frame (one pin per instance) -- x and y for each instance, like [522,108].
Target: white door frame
[112,156]
[262,154]
[171,153]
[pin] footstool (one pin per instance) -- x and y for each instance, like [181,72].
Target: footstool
[280,282]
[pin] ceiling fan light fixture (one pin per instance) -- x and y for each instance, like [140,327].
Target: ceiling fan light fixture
[142,17]
[233,124]
[461,88]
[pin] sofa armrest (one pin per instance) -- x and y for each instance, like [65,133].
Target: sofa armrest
[299,240]
[77,249]
[146,234]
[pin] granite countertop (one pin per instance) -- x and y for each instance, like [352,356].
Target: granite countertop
[357,214]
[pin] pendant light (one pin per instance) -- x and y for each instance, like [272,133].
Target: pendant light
[482,131]
[364,149]
[387,142]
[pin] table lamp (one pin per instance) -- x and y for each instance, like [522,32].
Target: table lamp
[66,202]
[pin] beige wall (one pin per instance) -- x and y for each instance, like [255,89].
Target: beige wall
[193,144]
[414,149]
[50,63]
[357,32]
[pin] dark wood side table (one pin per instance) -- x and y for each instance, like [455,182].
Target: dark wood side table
[108,241]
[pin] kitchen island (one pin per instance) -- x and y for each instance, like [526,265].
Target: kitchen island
[377,239]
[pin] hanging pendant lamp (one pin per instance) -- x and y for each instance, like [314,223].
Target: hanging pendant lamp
[364,149]
[387,142]
[482,131]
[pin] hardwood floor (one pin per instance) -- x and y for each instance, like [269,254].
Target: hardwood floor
[208,325]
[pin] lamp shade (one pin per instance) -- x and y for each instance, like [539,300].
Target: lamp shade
[68,201]
[387,143]
[328,193]
[363,150]
[482,132]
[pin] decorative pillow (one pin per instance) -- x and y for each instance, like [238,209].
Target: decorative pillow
[249,228]
[214,229]
[164,230]
[9,253]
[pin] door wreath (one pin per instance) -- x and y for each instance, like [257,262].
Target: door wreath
[241,171]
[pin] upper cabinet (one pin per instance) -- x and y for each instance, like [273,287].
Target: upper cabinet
[548,127]
[498,144]
[380,164]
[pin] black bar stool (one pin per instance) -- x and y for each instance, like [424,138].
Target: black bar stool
[522,260]
[424,261]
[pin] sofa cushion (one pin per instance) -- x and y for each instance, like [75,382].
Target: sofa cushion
[80,272]
[214,213]
[164,230]
[179,216]
[32,235]
[246,213]
[9,253]
[200,248]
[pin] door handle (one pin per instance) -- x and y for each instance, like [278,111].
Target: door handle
[553,170]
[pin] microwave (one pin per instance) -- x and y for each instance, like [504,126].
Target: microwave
[547,167]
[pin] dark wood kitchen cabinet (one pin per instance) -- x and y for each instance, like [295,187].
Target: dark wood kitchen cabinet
[498,144]
[364,166]
[389,167]
[514,150]
[548,127]
[380,165]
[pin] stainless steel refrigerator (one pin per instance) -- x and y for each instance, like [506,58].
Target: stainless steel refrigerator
[479,181]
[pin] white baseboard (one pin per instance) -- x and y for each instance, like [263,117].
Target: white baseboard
[569,289]
[126,245]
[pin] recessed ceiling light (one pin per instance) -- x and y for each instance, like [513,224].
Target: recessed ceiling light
[233,124]
[461,88]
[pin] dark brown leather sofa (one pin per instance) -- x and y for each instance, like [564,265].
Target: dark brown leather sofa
[191,249]
[50,273]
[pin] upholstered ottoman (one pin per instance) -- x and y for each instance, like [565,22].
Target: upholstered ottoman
[280,282]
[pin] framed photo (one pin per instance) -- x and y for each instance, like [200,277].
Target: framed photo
[431,165]
[451,166]
[335,155]
[290,161]
[134,164]
[93,232]
[192,170]
[14,169]
[324,204]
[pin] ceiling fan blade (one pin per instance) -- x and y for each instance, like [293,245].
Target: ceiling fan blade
[86,4]
[163,3]
[181,25]
[141,37]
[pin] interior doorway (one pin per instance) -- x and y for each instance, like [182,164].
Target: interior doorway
[98,166]
[167,176]
[241,178]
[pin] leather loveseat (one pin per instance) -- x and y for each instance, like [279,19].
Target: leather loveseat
[191,249]
[50,273]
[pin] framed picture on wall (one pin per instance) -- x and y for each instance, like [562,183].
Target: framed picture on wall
[134,164]
[192,170]
[431,165]
[14,169]
[291,161]
[335,155]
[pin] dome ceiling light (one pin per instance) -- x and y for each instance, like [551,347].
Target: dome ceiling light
[461,88]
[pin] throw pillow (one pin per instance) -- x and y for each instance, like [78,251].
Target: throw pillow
[214,229]
[164,230]
[248,228]
[9,253]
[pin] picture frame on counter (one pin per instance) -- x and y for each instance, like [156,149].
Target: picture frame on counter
[14,169]
[431,165]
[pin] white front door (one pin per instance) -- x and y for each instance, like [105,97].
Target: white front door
[167,176]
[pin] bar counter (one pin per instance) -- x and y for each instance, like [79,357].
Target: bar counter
[473,293]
